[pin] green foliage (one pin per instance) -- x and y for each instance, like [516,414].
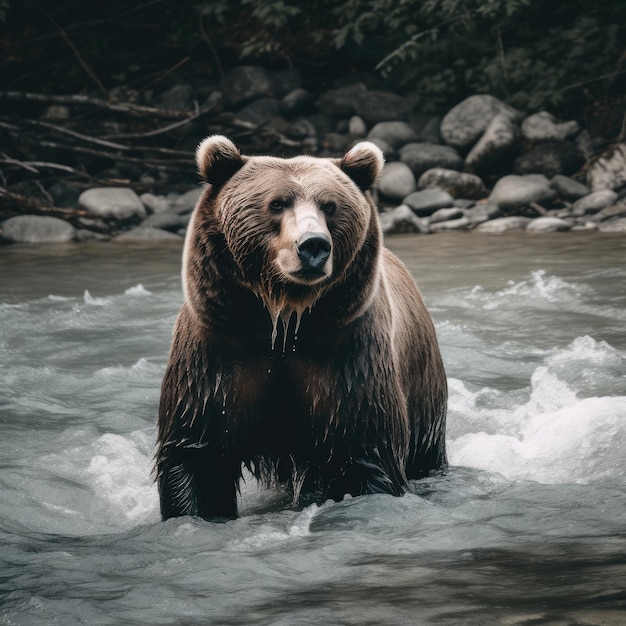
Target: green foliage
[531,53]
[527,52]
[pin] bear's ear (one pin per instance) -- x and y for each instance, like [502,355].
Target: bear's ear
[363,164]
[218,159]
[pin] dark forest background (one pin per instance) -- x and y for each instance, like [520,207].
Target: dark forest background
[565,56]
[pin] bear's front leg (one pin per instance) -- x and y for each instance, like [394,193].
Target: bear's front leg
[192,481]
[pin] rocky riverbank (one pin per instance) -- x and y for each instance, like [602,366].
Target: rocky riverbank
[483,166]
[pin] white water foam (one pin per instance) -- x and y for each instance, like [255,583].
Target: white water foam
[554,436]
[268,536]
[138,290]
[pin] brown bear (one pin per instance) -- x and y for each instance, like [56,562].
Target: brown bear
[303,350]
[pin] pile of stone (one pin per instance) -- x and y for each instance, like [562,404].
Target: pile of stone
[484,166]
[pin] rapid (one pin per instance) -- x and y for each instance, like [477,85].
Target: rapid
[528,525]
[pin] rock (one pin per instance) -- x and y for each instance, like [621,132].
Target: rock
[286,81]
[259,111]
[461,223]
[356,126]
[186,202]
[444,215]
[617,210]
[482,213]
[37,229]
[155,204]
[396,181]
[383,106]
[143,233]
[296,101]
[543,126]
[548,225]
[421,157]
[613,226]
[457,184]
[402,220]
[166,220]
[178,98]
[396,134]
[465,123]
[337,144]
[426,202]
[300,129]
[119,203]
[341,102]
[609,170]
[497,142]
[515,192]
[594,202]
[550,159]
[246,83]
[430,131]
[504,224]
[568,189]
[83,234]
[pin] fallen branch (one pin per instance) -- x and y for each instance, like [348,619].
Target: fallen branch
[126,108]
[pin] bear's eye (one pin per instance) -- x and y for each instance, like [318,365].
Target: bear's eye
[278,205]
[329,208]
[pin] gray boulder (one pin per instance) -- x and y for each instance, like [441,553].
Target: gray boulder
[498,141]
[482,213]
[396,181]
[617,210]
[186,202]
[515,192]
[543,126]
[457,184]
[166,220]
[504,224]
[421,157]
[178,97]
[594,202]
[259,111]
[396,134]
[460,223]
[613,226]
[155,204]
[118,203]
[356,126]
[402,220]
[246,83]
[37,229]
[550,159]
[296,101]
[426,202]
[609,170]
[341,101]
[465,123]
[548,225]
[383,106]
[444,215]
[143,233]
[568,189]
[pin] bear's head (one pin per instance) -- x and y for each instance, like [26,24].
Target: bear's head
[291,227]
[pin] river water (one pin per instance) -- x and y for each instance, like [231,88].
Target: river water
[527,527]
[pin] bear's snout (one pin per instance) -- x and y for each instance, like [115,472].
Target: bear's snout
[313,250]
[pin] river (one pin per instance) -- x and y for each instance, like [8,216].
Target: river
[528,526]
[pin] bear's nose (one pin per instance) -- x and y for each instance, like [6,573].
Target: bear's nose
[313,250]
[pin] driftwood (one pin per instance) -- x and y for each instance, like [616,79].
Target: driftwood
[106,143]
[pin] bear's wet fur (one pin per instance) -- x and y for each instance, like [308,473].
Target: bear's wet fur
[303,350]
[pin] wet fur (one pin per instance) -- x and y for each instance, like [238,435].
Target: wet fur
[335,387]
